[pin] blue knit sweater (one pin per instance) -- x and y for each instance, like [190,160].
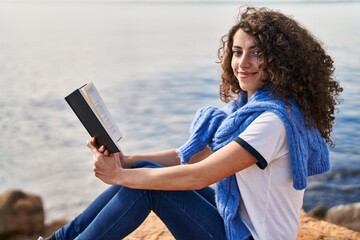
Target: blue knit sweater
[216,127]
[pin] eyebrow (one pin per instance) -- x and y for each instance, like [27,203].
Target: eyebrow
[238,47]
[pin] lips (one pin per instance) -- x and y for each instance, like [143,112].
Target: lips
[246,74]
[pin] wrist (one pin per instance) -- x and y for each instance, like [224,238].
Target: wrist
[120,178]
[128,161]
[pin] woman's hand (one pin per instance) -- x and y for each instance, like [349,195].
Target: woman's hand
[107,167]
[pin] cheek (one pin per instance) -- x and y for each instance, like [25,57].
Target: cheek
[234,64]
[256,62]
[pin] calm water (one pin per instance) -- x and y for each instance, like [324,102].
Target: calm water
[155,65]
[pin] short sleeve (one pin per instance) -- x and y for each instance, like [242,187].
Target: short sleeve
[265,138]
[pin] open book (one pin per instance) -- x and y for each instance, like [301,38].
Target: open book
[89,107]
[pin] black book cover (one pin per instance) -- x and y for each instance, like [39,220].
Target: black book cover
[90,121]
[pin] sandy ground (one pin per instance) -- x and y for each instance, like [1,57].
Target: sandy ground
[310,229]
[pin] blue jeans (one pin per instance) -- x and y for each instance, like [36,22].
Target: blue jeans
[118,211]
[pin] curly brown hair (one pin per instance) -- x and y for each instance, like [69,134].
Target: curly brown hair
[293,62]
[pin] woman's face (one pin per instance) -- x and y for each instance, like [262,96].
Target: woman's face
[245,62]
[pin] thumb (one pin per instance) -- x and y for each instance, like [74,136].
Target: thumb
[92,145]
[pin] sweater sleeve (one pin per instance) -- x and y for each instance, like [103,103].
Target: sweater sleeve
[205,124]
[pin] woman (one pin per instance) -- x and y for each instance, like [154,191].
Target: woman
[259,149]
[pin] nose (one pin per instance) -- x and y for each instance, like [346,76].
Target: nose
[244,61]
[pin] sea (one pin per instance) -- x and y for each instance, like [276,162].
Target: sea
[155,64]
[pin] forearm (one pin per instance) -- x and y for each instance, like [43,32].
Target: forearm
[166,158]
[183,177]
[201,155]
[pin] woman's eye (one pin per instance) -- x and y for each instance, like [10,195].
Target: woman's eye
[237,52]
[257,53]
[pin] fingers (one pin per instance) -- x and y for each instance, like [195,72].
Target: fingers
[95,149]
[92,145]
[102,149]
[106,168]
[106,152]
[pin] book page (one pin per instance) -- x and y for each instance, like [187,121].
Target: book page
[95,101]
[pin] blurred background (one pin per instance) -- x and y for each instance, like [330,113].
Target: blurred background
[154,62]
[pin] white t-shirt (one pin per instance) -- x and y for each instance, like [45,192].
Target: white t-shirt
[270,206]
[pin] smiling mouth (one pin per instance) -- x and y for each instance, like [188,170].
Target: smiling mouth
[247,74]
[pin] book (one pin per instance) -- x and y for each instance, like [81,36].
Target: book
[89,107]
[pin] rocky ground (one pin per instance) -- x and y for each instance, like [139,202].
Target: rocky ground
[22,218]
